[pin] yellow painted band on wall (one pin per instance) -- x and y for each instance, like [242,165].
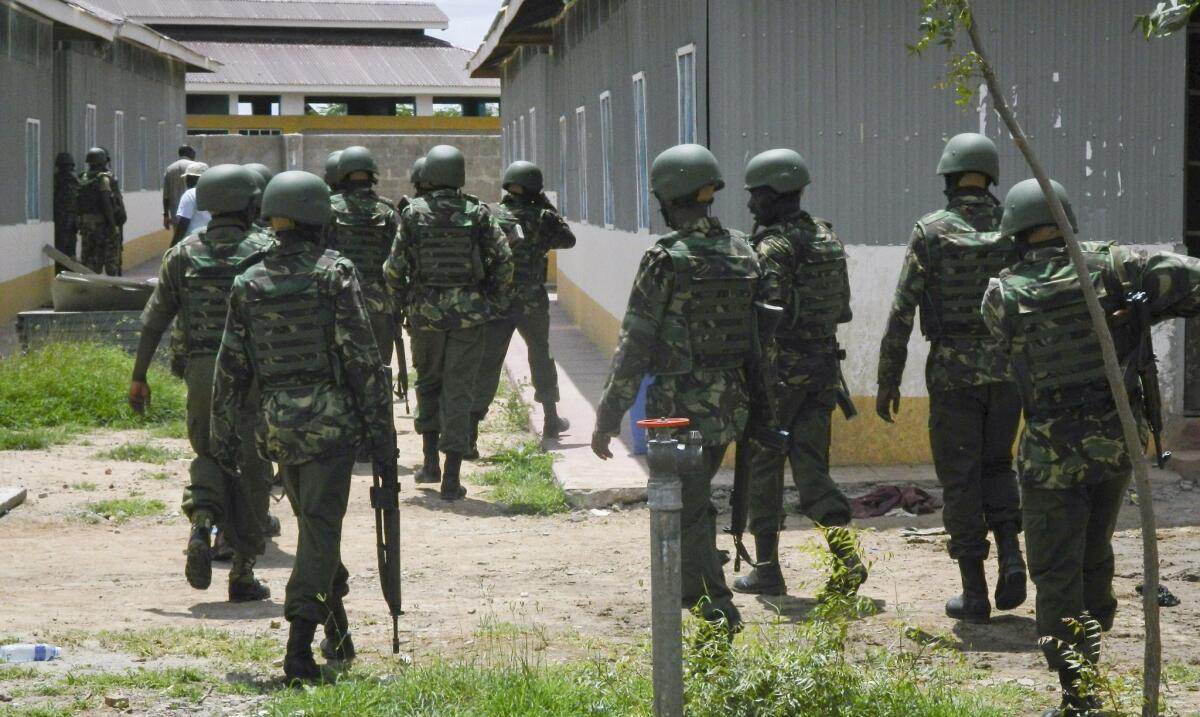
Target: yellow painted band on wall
[866,440]
[294,124]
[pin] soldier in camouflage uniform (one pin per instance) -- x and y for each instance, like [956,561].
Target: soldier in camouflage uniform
[298,326]
[193,285]
[100,217]
[804,271]
[973,407]
[66,207]
[331,172]
[449,258]
[1072,460]
[689,324]
[534,229]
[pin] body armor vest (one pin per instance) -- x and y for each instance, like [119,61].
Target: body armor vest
[364,239]
[91,199]
[529,261]
[207,280]
[961,263]
[291,330]
[819,286]
[714,327]
[447,255]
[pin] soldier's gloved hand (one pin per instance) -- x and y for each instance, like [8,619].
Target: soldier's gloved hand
[383,448]
[887,402]
[600,445]
[139,397]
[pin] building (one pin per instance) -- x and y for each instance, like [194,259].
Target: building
[320,65]
[74,76]
[594,89]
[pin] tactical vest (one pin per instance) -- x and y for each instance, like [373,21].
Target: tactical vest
[207,280]
[447,255]
[530,264]
[961,262]
[91,199]
[291,329]
[714,287]
[364,239]
[820,291]
[1055,351]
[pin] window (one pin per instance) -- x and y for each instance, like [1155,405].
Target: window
[581,160]
[117,167]
[685,77]
[641,151]
[260,132]
[532,136]
[160,151]
[606,152]
[89,127]
[562,163]
[33,170]
[143,152]
[521,150]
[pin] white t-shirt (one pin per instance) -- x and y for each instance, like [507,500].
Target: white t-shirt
[187,209]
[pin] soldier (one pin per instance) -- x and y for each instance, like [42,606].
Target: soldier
[173,185]
[66,207]
[193,285]
[331,172]
[973,407]
[298,326]
[804,271]
[189,218]
[101,215]
[1072,462]
[263,176]
[690,325]
[534,228]
[448,259]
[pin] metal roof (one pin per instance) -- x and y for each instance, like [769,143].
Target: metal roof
[517,23]
[397,14]
[370,69]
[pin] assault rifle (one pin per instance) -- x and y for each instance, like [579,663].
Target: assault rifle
[1142,371]
[844,401]
[385,500]
[762,431]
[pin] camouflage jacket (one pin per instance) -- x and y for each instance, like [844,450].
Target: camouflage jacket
[362,229]
[1072,435]
[66,196]
[543,231]
[445,308]
[717,402]
[296,425]
[954,362]
[804,364]
[96,188]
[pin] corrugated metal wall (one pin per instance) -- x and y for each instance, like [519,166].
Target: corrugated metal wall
[25,81]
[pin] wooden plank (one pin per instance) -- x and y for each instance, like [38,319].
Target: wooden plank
[10,498]
[65,260]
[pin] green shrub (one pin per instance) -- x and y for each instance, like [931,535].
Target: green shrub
[523,481]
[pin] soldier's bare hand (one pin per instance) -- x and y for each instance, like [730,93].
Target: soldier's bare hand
[887,402]
[600,446]
[139,397]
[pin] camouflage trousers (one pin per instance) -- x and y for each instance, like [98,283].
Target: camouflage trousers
[238,504]
[971,432]
[532,321]
[100,247]
[702,568]
[1068,537]
[66,238]
[808,415]
[384,327]
[446,363]
[319,491]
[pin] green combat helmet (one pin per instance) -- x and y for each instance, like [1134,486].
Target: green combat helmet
[299,196]
[525,175]
[356,159]
[226,188]
[331,167]
[1026,207]
[683,170]
[782,170]
[416,174]
[970,152]
[64,159]
[261,170]
[96,157]
[445,166]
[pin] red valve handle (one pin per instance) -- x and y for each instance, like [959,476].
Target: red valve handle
[663,423]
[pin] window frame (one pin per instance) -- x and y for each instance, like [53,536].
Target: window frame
[606,152]
[89,126]
[143,154]
[563,144]
[33,170]
[581,145]
[533,135]
[685,92]
[117,157]
[641,152]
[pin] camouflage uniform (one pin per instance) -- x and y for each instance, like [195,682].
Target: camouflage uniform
[194,284]
[448,259]
[974,409]
[100,242]
[657,339]
[804,271]
[66,208]
[1072,460]
[527,308]
[298,325]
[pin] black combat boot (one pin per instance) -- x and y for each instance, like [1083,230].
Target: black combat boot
[273,528]
[1073,704]
[452,489]
[472,453]
[767,578]
[553,425]
[431,470]
[198,568]
[222,551]
[1010,583]
[337,645]
[298,663]
[850,573]
[243,586]
[972,605]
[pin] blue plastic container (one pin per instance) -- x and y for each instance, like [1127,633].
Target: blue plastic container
[637,413]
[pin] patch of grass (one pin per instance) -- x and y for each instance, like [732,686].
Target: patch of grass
[1183,674]
[41,710]
[48,395]
[85,486]
[120,510]
[157,475]
[181,682]
[138,453]
[522,480]
[11,673]
[171,429]
[192,642]
[508,412]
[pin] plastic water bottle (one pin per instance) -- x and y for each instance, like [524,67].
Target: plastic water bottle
[25,652]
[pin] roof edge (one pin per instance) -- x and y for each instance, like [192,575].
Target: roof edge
[241,22]
[498,43]
[352,90]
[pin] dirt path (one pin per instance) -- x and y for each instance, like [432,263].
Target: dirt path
[564,586]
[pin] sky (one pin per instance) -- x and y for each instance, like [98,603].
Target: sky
[469,20]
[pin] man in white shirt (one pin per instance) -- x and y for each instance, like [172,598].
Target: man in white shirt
[188,219]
